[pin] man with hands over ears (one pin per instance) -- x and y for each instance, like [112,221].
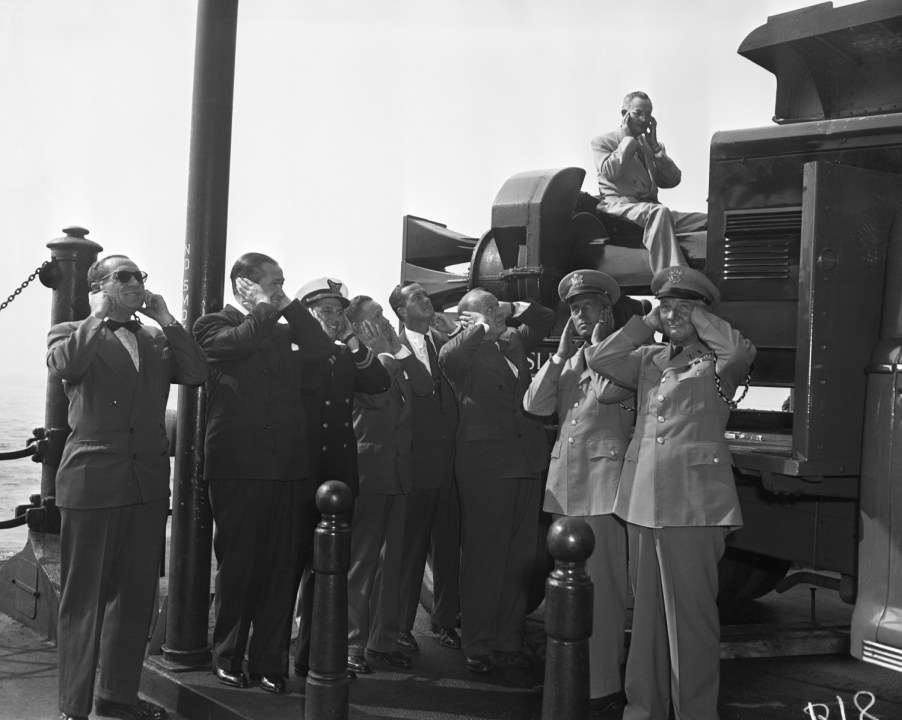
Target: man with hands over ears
[256,466]
[501,453]
[383,426]
[594,424]
[327,392]
[632,164]
[112,486]
[677,492]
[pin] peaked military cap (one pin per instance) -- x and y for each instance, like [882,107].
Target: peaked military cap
[324,287]
[580,282]
[683,282]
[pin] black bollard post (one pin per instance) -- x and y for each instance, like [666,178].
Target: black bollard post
[568,621]
[327,679]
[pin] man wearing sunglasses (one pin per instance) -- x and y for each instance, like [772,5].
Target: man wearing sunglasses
[112,486]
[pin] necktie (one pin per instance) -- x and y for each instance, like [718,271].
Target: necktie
[131,325]
[433,366]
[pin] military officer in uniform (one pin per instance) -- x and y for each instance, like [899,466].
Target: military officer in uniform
[595,419]
[676,492]
[327,393]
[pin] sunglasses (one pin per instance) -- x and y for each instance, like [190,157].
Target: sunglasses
[124,276]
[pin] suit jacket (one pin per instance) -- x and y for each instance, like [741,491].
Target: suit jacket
[593,433]
[631,181]
[434,427]
[118,452]
[496,439]
[255,419]
[383,426]
[677,470]
[327,391]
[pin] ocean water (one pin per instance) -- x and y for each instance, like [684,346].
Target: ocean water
[21,411]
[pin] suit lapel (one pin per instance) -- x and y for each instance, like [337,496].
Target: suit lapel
[116,356]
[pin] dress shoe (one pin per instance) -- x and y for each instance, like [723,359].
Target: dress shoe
[358,665]
[599,707]
[407,641]
[274,684]
[392,657]
[449,638]
[142,710]
[236,679]
[480,664]
[67,716]
[515,659]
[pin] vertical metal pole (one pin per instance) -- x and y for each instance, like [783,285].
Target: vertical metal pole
[186,643]
[73,254]
[568,621]
[327,679]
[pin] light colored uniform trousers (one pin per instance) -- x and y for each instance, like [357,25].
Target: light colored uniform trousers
[675,645]
[110,562]
[661,226]
[607,567]
[374,578]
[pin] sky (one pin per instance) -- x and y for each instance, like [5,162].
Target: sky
[348,114]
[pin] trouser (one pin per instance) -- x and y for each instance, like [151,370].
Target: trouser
[110,566]
[675,645]
[607,568]
[661,226]
[499,526]
[419,520]
[305,586]
[374,578]
[256,542]
[445,550]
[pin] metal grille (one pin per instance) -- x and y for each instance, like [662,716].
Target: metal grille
[761,244]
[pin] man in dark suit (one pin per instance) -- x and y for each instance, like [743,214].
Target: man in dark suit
[327,391]
[433,512]
[501,452]
[112,486]
[382,424]
[256,464]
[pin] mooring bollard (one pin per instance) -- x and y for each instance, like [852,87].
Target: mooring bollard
[568,621]
[327,679]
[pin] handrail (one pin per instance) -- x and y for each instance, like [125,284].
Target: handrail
[29,451]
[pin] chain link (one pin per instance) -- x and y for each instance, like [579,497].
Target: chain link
[729,401]
[24,285]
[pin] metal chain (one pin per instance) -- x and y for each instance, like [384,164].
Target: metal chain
[24,285]
[728,401]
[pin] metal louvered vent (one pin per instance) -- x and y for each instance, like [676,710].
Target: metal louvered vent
[761,244]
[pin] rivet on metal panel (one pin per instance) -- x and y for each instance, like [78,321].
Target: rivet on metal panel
[827,261]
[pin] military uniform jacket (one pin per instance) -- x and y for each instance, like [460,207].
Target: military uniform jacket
[255,419]
[593,434]
[327,391]
[383,425]
[434,428]
[677,470]
[496,439]
[118,452]
[631,181]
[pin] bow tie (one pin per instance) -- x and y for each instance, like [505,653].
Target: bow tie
[130,325]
